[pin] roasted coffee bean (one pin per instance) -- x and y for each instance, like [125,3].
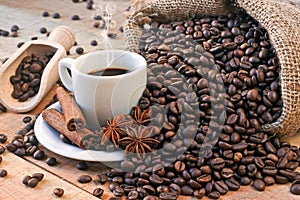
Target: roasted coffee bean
[27,119]
[3,138]
[227,173]
[38,176]
[133,195]
[75,17]
[43,30]
[217,163]
[232,184]
[2,108]
[281,179]
[82,165]
[39,154]
[101,178]
[150,189]
[168,196]
[150,197]
[155,179]
[245,180]
[269,171]
[179,166]
[56,15]
[84,179]
[79,50]
[3,173]
[32,182]
[26,179]
[94,43]
[51,161]
[214,195]
[186,190]
[98,192]
[259,185]
[221,187]
[59,192]
[269,180]
[2,149]
[288,174]
[295,188]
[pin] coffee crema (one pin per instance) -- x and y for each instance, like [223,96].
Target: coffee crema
[113,71]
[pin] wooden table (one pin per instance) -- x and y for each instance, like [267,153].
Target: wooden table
[27,15]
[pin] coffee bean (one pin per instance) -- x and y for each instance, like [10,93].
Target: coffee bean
[155,179]
[56,15]
[245,180]
[221,187]
[186,190]
[217,163]
[2,149]
[94,43]
[79,50]
[168,196]
[39,154]
[281,179]
[45,14]
[32,182]
[75,17]
[51,161]
[3,173]
[269,180]
[150,197]
[59,192]
[179,166]
[98,192]
[232,184]
[150,189]
[102,179]
[214,195]
[133,195]
[84,179]
[43,30]
[82,165]
[259,185]
[38,176]
[26,179]
[27,119]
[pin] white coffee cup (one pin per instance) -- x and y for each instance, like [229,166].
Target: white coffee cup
[102,97]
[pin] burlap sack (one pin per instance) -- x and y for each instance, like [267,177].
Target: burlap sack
[279,18]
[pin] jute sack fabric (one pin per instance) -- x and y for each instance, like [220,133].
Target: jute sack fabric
[280,19]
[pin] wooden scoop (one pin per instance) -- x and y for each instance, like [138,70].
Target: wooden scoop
[59,41]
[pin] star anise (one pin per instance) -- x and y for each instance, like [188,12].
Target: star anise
[140,117]
[115,128]
[139,140]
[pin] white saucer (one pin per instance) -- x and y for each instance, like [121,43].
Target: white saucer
[49,138]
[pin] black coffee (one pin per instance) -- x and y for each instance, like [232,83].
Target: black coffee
[109,72]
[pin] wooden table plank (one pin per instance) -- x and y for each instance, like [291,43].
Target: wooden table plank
[12,188]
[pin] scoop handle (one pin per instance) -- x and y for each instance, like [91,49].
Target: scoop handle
[64,36]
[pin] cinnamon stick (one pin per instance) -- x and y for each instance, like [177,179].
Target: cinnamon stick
[73,115]
[57,120]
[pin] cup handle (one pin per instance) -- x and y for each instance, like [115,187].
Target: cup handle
[63,66]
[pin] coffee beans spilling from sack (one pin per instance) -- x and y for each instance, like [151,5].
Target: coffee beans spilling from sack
[27,78]
[202,69]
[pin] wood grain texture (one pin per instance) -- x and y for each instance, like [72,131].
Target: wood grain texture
[27,15]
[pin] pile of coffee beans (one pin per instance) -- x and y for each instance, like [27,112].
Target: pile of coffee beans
[27,78]
[199,68]
[33,180]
